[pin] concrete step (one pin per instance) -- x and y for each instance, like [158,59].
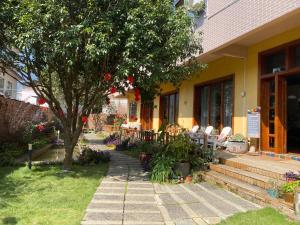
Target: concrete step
[250,166]
[248,191]
[252,178]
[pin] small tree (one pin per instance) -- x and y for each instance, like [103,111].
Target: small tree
[76,53]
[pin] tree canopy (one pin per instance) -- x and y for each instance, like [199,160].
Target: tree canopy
[74,53]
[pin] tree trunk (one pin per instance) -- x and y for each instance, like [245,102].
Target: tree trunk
[69,148]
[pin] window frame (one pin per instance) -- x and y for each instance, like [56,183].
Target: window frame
[197,101]
[2,90]
[175,109]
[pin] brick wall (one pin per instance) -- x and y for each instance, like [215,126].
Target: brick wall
[229,19]
[14,114]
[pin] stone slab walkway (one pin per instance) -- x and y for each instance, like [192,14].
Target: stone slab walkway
[126,197]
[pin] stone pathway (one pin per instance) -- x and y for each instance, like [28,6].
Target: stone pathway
[126,197]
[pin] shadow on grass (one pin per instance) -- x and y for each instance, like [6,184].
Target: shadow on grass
[9,221]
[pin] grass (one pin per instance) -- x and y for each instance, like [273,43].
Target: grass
[266,216]
[46,195]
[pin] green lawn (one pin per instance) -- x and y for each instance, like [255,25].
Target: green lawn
[266,216]
[46,195]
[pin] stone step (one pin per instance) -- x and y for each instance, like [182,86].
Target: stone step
[248,191]
[252,178]
[249,166]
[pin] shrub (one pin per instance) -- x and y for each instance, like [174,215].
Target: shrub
[162,168]
[290,187]
[89,155]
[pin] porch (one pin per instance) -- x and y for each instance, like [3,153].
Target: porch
[251,176]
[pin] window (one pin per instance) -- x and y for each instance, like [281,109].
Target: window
[9,89]
[214,104]
[1,85]
[133,112]
[169,108]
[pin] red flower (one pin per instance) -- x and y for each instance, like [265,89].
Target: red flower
[107,76]
[40,127]
[41,101]
[130,79]
[84,119]
[125,122]
[113,90]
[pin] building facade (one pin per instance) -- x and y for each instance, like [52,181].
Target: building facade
[252,52]
[8,84]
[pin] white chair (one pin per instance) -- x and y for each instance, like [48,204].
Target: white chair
[221,139]
[207,132]
[193,132]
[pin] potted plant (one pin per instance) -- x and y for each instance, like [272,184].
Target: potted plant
[288,190]
[291,176]
[182,148]
[237,144]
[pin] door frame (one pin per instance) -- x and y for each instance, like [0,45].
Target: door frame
[289,69]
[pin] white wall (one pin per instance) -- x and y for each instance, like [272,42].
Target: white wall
[4,90]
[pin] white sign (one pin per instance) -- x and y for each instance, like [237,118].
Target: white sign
[254,124]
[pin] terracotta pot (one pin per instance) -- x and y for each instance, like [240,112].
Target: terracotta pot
[188,179]
[288,197]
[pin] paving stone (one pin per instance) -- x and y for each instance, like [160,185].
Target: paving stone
[103,216]
[140,191]
[176,212]
[185,222]
[109,197]
[114,185]
[167,199]
[144,217]
[110,191]
[141,207]
[139,198]
[212,220]
[108,206]
[201,210]
[186,198]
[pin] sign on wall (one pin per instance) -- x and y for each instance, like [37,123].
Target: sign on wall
[254,123]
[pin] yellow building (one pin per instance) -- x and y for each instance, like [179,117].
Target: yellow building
[252,52]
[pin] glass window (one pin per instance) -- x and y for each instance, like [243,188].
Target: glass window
[274,62]
[133,112]
[228,104]
[9,89]
[169,108]
[1,85]
[204,95]
[215,106]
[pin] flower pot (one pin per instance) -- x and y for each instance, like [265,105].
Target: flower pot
[288,197]
[188,179]
[273,193]
[183,168]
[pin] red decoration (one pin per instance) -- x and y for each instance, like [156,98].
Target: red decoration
[41,101]
[130,79]
[43,108]
[113,90]
[107,76]
[40,127]
[137,98]
[84,119]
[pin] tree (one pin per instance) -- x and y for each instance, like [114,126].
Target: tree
[74,53]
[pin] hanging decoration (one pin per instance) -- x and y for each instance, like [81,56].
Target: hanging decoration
[113,90]
[130,79]
[41,101]
[84,119]
[137,94]
[107,76]
[40,127]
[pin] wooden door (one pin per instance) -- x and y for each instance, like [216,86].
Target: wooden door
[273,114]
[147,115]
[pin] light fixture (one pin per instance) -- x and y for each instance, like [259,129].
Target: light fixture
[292,97]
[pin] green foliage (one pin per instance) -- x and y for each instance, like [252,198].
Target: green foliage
[88,156]
[237,138]
[182,148]
[290,187]
[162,169]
